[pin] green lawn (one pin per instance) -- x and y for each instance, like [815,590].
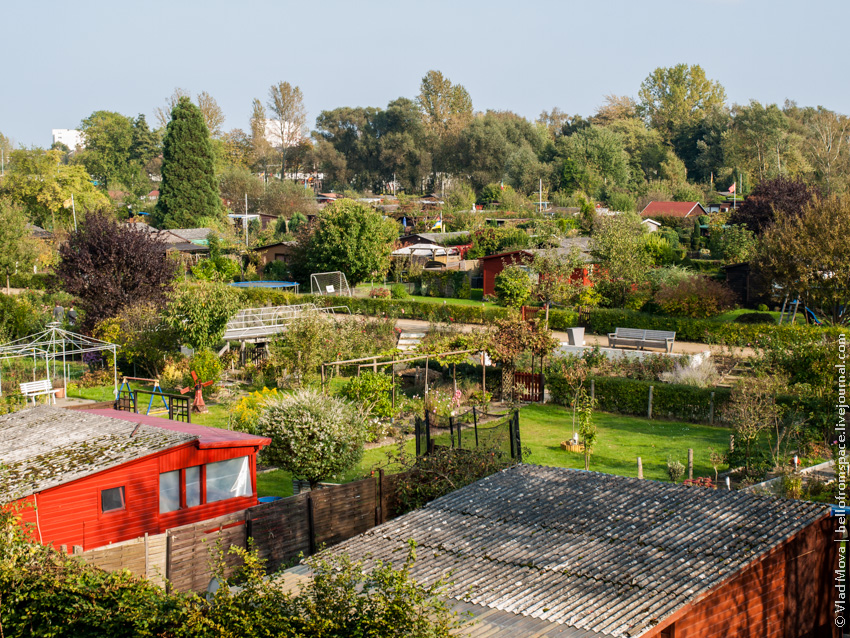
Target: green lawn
[454,302]
[729,317]
[620,441]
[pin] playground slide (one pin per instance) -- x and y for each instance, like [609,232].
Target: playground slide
[812,315]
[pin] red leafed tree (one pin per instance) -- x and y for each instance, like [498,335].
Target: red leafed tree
[108,266]
[771,200]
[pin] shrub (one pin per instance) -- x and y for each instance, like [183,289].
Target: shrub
[445,283]
[675,470]
[198,313]
[314,436]
[276,271]
[699,297]
[755,317]
[206,364]
[246,413]
[762,307]
[380,293]
[399,291]
[371,391]
[513,286]
[703,375]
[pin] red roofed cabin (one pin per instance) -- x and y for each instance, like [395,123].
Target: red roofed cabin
[102,476]
[673,209]
[492,265]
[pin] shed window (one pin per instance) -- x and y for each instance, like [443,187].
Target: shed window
[169,491]
[193,486]
[112,500]
[228,479]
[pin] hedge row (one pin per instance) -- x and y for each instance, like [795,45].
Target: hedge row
[606,320]
[671,401]
[601,320]
[406,309]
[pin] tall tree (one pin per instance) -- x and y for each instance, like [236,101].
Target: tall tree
[211,111]
[806,254]
[615,108]
[109,140]
[43,186]
[446,108]
[286,103]
[616,245]
[189,190]
[756,139]
[17,248]
[672,97]
[110,266]
[828,146]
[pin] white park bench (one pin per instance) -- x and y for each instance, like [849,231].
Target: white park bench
[642,338]
[33,389]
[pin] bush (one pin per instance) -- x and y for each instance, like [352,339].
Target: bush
[246,413]
[206,364]
[762,308]
[699,297]
[276,271]
[372,392]
[675,470]
[513,286]
[380,293]
[314,436]
[445,283]
[606,320]
[755,317]
[399,291]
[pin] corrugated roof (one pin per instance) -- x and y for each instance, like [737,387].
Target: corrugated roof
[592,552]
[46,446]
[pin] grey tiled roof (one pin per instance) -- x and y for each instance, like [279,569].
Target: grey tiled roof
[593,553]
[46,446]
[191,234]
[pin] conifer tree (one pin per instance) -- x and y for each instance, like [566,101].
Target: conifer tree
[189,192]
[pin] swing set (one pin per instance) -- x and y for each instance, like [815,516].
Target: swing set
[156,391]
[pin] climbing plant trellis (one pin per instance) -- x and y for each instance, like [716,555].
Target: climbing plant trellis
[54,347]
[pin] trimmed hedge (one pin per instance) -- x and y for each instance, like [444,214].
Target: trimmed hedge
[606,320]
[407,309]
[671,401]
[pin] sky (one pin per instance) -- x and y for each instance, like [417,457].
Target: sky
[64,60]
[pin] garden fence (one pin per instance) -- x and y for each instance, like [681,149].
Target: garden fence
[474,429]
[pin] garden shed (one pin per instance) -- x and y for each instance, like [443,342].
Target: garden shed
[101,476]
[547,551]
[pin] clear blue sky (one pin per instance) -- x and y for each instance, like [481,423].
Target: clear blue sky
[64,60]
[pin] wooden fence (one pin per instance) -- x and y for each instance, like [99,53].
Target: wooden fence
[281,531]
[145,556]
[531,384]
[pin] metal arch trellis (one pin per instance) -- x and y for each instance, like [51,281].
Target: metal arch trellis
[54,344]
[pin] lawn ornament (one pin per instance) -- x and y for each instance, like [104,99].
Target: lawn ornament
[198,404]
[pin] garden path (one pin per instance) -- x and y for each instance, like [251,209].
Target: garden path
[682,347]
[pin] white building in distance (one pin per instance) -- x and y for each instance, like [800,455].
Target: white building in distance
[71,138]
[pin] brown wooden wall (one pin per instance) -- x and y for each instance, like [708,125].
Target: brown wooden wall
[788,594]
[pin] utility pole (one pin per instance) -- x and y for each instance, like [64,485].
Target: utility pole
[74,210]
[245,220]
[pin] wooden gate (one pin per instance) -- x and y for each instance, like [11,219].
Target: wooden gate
[531,384]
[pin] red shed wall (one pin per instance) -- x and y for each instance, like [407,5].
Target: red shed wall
[787,594]
[70,514]
[492,267]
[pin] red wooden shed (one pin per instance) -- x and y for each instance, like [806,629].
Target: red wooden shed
[102,476]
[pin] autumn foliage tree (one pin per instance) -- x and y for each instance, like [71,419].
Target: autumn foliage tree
[770,201]
[109,266]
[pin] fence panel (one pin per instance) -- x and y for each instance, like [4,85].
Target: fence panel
[344,511]
[191,550]
[144,556]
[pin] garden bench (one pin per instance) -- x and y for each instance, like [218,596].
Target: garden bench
[642,338]
[32,389]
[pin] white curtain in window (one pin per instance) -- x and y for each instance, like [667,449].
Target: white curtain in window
[228,479]
[169,491]
[193,486]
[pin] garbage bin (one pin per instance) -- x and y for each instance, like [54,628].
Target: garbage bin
[575,336]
